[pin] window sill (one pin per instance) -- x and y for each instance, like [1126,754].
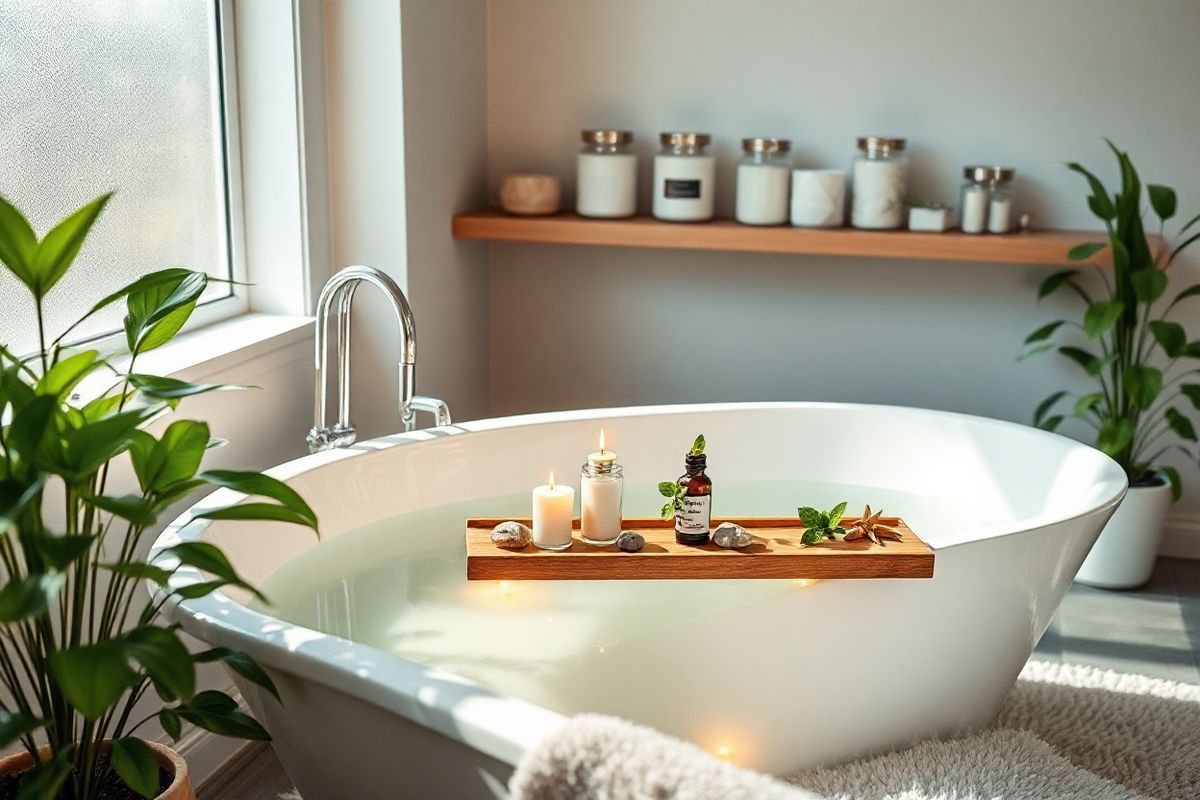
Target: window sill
[199,354]
[221,345]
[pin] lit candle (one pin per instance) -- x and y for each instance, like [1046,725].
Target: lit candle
[552,513]
[600,497]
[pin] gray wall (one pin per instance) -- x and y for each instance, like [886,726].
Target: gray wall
[1025,83]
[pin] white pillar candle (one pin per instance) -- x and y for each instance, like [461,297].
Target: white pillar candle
[600,497]
[553,508]
[818,198]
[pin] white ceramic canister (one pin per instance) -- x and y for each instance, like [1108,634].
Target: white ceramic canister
[818,198]
[763,176]
[879,184]
[606,175]
[976,190]
[684,178]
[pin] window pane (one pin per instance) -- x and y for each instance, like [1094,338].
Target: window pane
[97,95]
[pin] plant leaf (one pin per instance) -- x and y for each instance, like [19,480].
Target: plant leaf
[209,558]
[810,516]
[131,507]
[177,455]
[164,658]
[217,712]
[88,447]
[1149,284]
[1100,317]
[1181,425]
[1044,332]
[1192,392]
[1041,348]
[1055,282]
[270,512]
[1171,337]
[1081,357]
[1114,435]
[140,571]
[135,765]
[667,488]
[170,723]
[157,312]
[1099,202]
[17,243]
[698,446]
[835,514]
[14,726]
[667,511]
[1082,252]
[1051,423]
[29,596]
[1045,406]
[812,536]
[242,664]
[1143,384]
[255,483]
[1162,200]
[92,677]
[57,250]
[44,781]
[1087,403]
[170,389]
[66,374]
[1172,475]
[58,552]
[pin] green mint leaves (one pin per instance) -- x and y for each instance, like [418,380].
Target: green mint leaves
[697,446]
[820,525]
[674,491]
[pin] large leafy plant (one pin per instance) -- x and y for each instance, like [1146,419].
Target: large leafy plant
[1134,351]
[79,644]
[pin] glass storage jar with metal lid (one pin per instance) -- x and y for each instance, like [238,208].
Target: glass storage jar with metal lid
[975,193]
[763,176]
[684,178]
[606,175]
[1000,200]
[879,183]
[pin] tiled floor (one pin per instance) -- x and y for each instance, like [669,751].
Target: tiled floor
[1153,631]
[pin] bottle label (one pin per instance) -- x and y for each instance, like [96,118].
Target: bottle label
[696,514]
[679,189]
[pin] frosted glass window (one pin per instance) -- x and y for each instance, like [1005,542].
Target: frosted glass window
[100,95]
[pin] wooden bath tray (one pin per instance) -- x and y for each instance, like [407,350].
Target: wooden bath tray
[775,553]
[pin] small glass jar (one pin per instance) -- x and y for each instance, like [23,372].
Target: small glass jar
[684,177]
[763,176]
[976,191]
[879,183]
[606,175]
[1000,200]
[600,489]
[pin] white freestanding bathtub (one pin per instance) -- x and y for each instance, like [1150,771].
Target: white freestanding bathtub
[778,675]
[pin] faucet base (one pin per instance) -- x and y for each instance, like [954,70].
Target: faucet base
[322,439]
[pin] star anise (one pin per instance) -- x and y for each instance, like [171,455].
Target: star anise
[870,527]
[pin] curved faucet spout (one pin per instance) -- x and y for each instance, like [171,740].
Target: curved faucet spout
[339,291]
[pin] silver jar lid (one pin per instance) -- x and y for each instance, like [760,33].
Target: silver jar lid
[982,174]
[765,146]
[606,136]
[684,139]
[881,144]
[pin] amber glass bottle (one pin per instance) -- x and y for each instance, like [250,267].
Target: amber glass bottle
[693,518]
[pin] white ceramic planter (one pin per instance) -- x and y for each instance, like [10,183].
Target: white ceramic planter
[1123,556]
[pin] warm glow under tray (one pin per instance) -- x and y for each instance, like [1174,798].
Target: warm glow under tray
[775,553]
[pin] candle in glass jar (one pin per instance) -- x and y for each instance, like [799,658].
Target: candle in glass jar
[600,497]
[553,508]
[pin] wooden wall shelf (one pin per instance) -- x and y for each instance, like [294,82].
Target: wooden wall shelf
[1034,247]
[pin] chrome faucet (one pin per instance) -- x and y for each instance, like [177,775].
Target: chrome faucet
[340,290]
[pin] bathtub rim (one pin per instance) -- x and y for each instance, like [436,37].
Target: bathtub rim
[500,726]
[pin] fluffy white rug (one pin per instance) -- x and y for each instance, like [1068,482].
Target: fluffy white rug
[1066,732]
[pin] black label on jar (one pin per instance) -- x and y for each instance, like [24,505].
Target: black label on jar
[678,189]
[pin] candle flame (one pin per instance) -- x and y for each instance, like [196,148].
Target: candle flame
[724,752]
[551,479]
[602,440]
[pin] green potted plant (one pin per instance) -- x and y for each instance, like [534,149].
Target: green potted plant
[82,654]
[1134,353]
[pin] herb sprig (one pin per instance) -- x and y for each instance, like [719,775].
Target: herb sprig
[820,525]
[673,490]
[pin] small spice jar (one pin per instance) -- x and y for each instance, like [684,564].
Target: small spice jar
[976,191]
[879,183]
[684,177]
[606,175]
[763,176]
[1000,200]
